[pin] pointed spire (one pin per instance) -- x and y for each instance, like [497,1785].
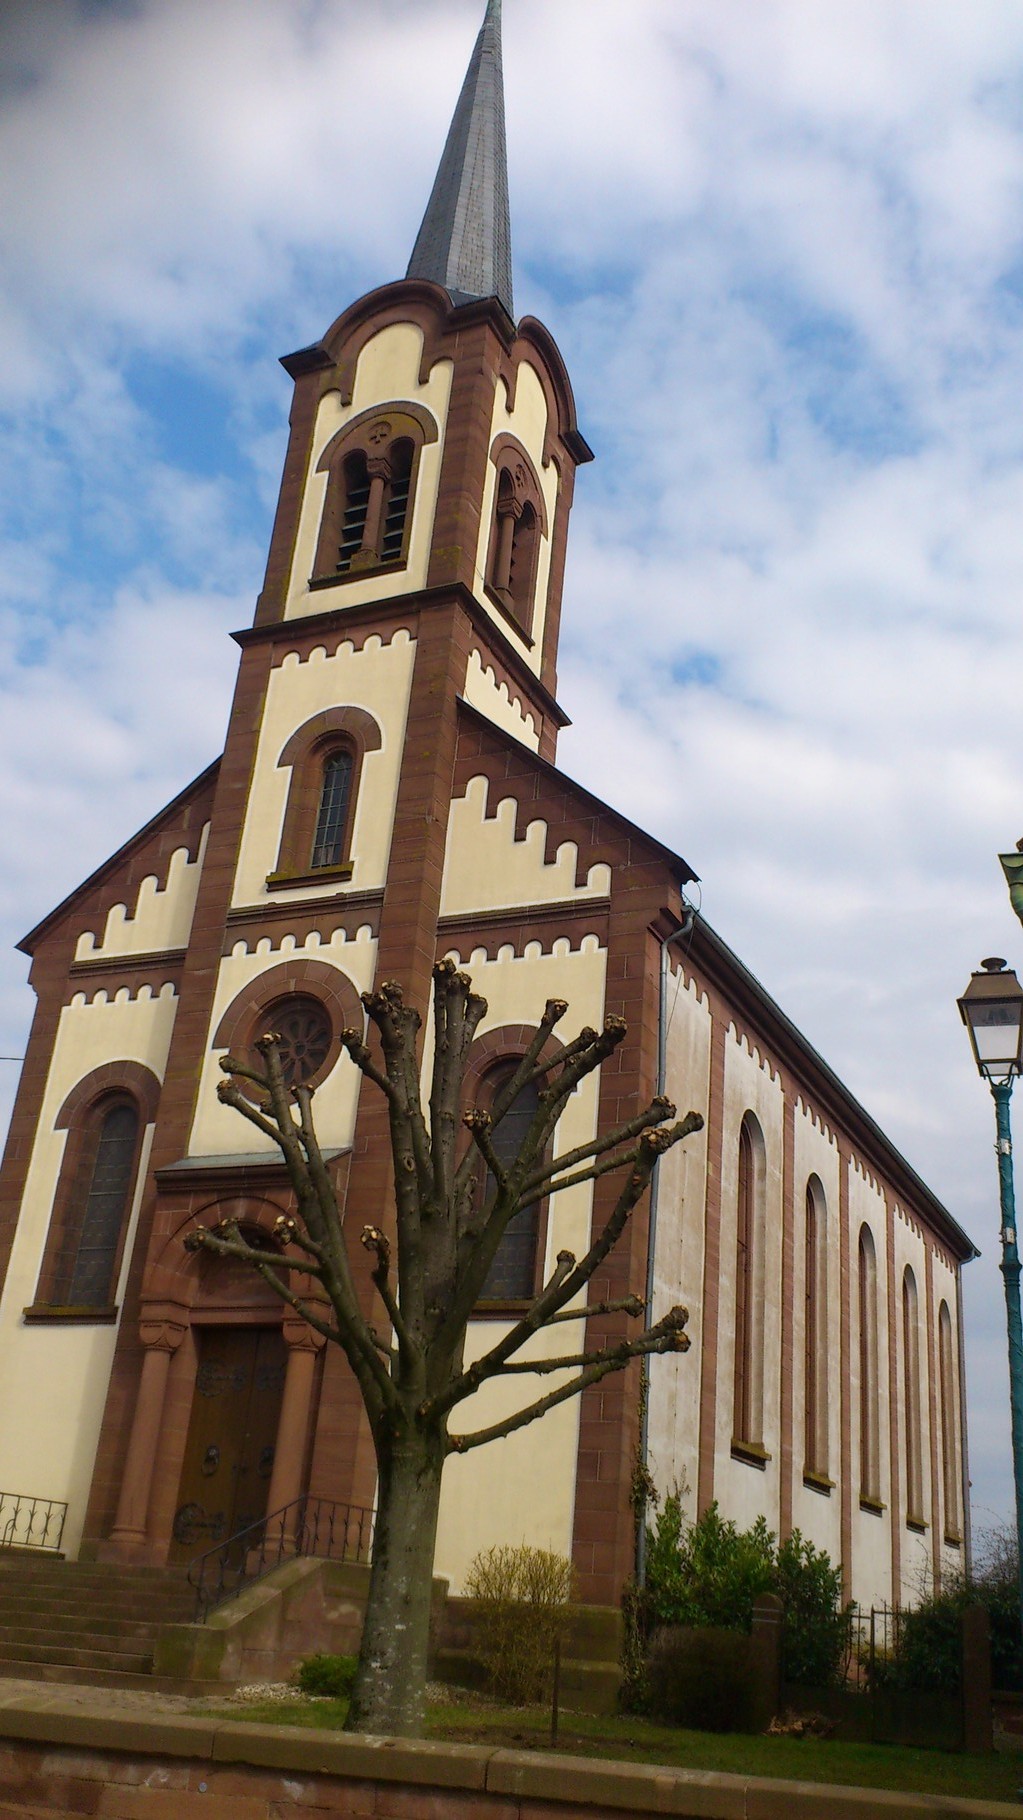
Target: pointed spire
[465,240]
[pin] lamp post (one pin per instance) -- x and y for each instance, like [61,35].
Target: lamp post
[992,1010]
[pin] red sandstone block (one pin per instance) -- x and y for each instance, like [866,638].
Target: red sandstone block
[121,1803]
[403,1802]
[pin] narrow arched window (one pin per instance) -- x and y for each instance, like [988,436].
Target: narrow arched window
[949,1430]
[332,815]
[911,1396]
[815,1334]
[355,508]
[512,1275]
[870,1445]
[101,1201]
[515,540]
[396,500]
[747,1401]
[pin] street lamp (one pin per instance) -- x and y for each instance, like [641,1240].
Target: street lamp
[992,1010]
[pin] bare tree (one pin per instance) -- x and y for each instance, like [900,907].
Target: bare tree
[430,1271]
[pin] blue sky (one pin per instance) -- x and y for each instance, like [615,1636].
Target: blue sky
[779,243]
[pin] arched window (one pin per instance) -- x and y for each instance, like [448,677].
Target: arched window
[512,1275]
[870,1442]
[815,1334]
[332,817]
[103,1190]
[515,535]
[747,1401]
[371,468]
[911,1395]
[104,1117]
[949,1427]
[325,756]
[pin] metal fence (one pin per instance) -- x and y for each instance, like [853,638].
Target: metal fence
[306,1526]
[27,1522]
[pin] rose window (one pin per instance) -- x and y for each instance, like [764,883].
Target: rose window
[305,1035]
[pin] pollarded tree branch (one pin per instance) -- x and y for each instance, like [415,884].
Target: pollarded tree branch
[353,1042]
[202,1238]
[658,1110]
[558,1294]
[667,1336]
[376,1242]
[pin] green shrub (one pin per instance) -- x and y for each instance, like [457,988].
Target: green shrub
[709,1574]
[700,1678]
[333,1676]
[523,1598]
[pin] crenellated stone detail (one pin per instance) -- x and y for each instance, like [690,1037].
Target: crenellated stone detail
[489,863]
[159,917]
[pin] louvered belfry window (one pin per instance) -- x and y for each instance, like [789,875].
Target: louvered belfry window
[106,1187]
[332,816]
[396,501]
[356,506]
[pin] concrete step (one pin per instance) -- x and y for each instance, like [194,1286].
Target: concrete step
[137,1662]
[77,1634]
[165,1608]
[50,1672]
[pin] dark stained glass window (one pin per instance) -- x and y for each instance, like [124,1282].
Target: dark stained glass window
[512,1275]
[106,1204]
[332,816]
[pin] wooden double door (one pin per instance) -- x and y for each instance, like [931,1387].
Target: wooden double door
[232,1436]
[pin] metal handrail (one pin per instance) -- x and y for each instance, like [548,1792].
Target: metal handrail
[306,1526]
[28,1522]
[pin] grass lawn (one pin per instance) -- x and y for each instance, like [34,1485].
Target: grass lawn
[631,1740]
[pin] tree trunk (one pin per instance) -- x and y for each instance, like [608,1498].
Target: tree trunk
[389,1687]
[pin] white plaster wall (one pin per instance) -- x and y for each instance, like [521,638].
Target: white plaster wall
[743,1491]
[378,678]
[483,692]
[55,1377]
[159,919]
[871,1565]
[218,1130]
[387,373]
[522,1488]
[815,1152]
[486,868]
[674,1409]
[527,421]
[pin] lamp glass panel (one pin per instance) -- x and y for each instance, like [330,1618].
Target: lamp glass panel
[996,1032]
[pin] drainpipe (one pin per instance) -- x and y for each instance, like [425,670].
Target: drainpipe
[684,928]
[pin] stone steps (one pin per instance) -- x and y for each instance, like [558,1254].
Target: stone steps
[62,1619]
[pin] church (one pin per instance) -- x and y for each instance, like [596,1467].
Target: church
[388,794]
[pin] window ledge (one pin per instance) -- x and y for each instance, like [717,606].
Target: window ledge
[320,875]
[366,573]
[57,1311]
[819,1482]
[751,1453]
[873,1506]
[509,614]
[952,1540]
[501,1310]
[916,1524]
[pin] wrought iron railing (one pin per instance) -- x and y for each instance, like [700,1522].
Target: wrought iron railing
[306,1526]
[31,1522]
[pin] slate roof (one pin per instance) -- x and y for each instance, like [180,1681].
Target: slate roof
[464,242]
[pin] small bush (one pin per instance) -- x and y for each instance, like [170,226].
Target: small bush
[700,1678]
[709,1574]
[523,1597]
[332,1676]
